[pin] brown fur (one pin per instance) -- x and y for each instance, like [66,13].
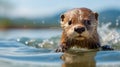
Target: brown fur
[79,17]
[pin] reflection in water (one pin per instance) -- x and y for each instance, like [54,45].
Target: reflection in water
[79,59]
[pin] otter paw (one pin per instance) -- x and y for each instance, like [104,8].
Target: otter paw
[106,47]
[61,49]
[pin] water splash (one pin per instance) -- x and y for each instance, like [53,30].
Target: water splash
[108,36]
[51,43]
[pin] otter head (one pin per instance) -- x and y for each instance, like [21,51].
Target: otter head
[79,23]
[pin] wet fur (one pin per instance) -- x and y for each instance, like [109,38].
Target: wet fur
[92,42]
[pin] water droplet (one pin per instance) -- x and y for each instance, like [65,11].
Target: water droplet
[18,39]
[26,42]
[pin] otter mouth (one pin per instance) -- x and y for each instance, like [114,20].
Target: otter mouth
[79,36]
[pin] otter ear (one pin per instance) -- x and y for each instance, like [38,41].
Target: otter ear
[96,15]
[62,17]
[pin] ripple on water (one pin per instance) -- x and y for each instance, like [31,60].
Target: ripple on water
[39,52]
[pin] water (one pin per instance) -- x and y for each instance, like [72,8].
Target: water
[35,48]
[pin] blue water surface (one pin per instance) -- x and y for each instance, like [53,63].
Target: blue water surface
[22,52]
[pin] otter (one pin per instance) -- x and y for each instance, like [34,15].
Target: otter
[79,29]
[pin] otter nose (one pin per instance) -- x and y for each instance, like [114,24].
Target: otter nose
[79,29]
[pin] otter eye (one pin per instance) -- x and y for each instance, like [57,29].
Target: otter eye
[87,22]
[70,22]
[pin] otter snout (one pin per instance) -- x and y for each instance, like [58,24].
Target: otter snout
[79,29]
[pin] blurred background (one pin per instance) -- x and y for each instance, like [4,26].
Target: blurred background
[36,14]
[30,32]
